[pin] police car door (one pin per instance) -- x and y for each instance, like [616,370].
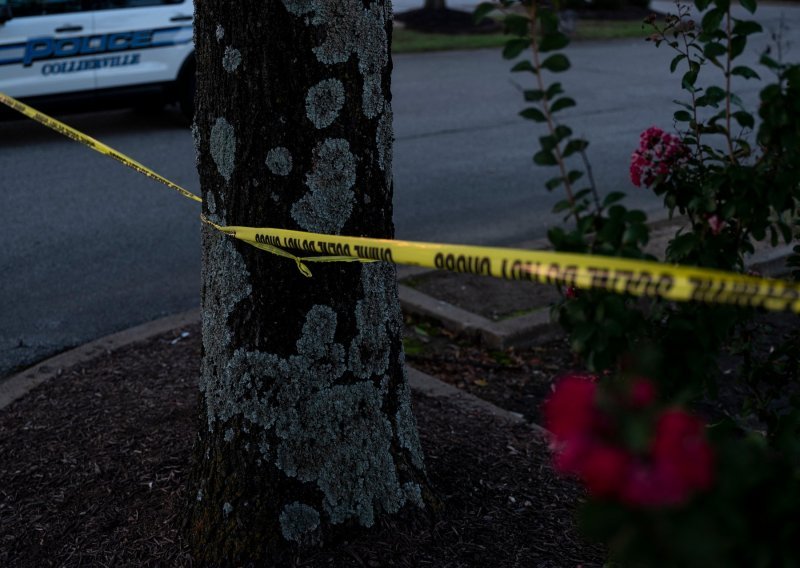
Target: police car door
[160,38]
[40,47]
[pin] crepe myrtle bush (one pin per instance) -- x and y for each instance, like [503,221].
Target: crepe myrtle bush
[735,185]
[667,488]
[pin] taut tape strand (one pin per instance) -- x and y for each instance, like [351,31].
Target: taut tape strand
[623,276]
[95,145]
[620,275]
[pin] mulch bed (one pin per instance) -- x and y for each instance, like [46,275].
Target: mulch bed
[514,379]
[519,379]
[93,466]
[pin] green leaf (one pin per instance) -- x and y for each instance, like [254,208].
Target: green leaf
[767,61]
[574,175]
[680,247]
[551,42]
[702,4]
[575,146]
[533,95]
[712,19]
[715,94]
[523,65]
[613,197]
[749,5]
[515,46]
[548,20]
[553,183]
[562,103]
[562,205]
[675,61]
[635,216]
[482,11]
[517,24]
[738,43]
[746,27]
[746,72]
[563,132]
[682,116]
[554,90]
[548,143]
[714,49]
[745,119]
[545,158]
[532,113]
[556,63]
[689,79]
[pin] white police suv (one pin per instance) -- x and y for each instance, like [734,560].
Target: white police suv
[97,53]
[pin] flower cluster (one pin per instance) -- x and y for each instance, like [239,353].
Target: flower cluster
[676,463]
[657,154]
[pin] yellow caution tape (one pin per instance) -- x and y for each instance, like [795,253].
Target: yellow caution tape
[620,275]
[300,261]
[95,145]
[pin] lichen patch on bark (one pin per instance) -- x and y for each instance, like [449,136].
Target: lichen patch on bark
[223,147]
[299,522]
[334,436]
[351,29]
[226,283]
[377,317]
[324,101]
[231,59]
[279,161]
[384,140]
[328,204]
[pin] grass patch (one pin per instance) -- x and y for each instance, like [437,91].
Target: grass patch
[610,29]
[410,41]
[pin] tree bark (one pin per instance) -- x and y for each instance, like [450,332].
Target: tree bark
[306,425]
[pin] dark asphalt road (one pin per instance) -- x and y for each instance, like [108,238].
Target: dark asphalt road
[90,247]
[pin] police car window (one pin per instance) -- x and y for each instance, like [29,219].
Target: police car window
[22,8]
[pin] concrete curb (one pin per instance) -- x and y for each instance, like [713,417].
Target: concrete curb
[20,384]
[433,387]
[524,330]
[17,386]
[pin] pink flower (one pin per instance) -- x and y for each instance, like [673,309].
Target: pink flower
[647,486]
[658,153]
[681,463]
[642,393]
[571,292]
[681,449]
[569,412]
[715,224]
[604,470]
[678,463]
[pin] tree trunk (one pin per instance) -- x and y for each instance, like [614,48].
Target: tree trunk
[306,424]
[434,5]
